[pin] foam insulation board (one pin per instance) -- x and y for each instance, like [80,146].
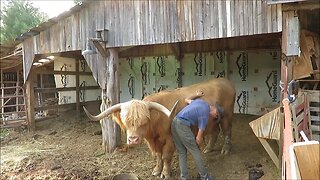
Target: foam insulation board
[166,73]
[66,97]
[143,76]
[130,79]
[256,76]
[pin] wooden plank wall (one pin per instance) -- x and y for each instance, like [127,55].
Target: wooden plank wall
[132,23]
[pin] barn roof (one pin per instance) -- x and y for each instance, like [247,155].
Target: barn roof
[45,25]
[70,30]
[11,52]
[10,55]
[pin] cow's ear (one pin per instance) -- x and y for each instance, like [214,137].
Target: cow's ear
[116,117]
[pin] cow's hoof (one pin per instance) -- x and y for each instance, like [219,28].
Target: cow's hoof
[165,176]
[226,149]
[207,149]
[156,171]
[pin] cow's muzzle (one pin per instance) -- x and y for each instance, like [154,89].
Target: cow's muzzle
[134,140]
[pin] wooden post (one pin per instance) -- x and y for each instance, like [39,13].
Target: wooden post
[77,89]
[41,86]
[17,92]
[290,34]
[2,92]
[290,48]
[110,96]
[30,101]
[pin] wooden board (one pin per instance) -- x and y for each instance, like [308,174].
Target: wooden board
[307,156]
[302,66]
[270,151]
[268,125]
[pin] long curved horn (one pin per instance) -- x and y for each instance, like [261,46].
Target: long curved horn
[161,108]
[173,110]
[105,113]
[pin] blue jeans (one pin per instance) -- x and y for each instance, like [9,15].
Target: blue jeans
[185,141]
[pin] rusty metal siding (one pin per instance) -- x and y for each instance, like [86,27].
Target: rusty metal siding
[132,23]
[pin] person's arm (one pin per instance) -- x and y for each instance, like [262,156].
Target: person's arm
[199,137]
[198,94]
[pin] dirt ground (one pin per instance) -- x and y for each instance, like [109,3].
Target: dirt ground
[67,148]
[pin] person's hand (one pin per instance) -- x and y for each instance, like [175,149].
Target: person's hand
[199,141]
[200,93]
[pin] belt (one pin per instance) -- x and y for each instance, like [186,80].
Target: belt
[183,121]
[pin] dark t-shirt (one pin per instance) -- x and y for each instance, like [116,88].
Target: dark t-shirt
[197,113]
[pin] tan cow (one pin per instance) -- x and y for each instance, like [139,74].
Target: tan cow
[142,122]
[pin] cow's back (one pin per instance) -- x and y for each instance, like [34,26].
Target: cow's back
[216,90]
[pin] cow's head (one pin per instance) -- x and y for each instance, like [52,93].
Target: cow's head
[134,117]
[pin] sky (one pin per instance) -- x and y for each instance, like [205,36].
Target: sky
[53,7]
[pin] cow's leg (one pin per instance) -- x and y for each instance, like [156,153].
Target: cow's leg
[157,170]
[226,127]
[212,138]
[167,155]
[166,172]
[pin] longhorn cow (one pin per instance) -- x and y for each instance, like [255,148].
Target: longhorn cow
[150,119]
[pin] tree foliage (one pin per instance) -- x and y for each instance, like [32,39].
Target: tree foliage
[17,17]
[78,2]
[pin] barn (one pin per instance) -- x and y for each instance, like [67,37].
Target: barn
[101,53]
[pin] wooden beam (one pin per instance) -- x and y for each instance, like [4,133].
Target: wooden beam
[17,91]
[30,100]
[10,96]
[302,6]
[308,80]
[44,71]
[19,53]
[125,48]
[41,86]
[270,151]
[2,90]
[270,2]
[49,90]
[290,34]
[72,73]
[100,45]
[147,50]
[77,89]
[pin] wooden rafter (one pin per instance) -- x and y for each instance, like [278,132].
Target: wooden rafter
[100,45]
[302,6]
